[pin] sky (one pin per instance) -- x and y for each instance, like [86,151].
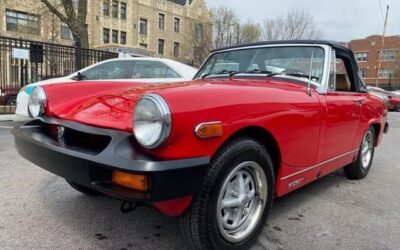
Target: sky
[340,20]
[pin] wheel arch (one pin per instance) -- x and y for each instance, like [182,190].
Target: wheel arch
[377,129]
[263,136]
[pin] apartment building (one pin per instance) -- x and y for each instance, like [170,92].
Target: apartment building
[379,66]
[160,28]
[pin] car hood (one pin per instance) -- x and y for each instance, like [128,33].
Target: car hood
[104,104]
[110,104]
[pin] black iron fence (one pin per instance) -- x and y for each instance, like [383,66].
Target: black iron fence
[25,61]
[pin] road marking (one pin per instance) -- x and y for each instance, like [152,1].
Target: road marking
[6,127]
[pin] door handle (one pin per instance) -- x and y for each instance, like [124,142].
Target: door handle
[358,100]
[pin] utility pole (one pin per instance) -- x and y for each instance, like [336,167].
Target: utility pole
[383,43]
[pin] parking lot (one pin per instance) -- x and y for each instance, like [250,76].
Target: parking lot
[38,210]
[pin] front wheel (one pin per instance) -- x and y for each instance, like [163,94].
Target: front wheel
[233,204]
[360,168]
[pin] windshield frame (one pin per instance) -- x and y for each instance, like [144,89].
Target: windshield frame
[320,87]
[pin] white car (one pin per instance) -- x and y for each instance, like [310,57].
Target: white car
[140,69]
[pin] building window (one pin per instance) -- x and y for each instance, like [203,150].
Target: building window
[106,7]
[115,36]
[106,35]
[115,9]
[143,45]
[363,73]
[198,31]
[65,32]
[161,21]
[176,49]
[177,24]
[386,73]
[161,44]
[123,10]
[22,22]
[361,56]
[123,37]
[143,26]
[387,55]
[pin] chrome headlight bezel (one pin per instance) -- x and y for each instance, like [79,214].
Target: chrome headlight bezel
[164,120]
[38,98]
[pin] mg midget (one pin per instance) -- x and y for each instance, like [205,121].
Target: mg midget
[257,122]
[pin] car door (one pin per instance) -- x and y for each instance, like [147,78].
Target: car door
[342,117]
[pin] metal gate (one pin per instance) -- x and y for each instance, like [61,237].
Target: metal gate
[25,61]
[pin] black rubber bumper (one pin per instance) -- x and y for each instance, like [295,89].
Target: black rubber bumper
[88,155]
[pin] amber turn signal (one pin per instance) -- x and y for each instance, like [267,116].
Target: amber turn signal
[209,129]
[134,181]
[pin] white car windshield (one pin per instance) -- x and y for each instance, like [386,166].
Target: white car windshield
[293,61]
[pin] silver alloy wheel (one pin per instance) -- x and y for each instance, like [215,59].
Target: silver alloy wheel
[241,202]
[367,149]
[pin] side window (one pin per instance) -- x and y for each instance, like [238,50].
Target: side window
[342,77]
[332,72]
[108,71]
[150,69]
[172,74]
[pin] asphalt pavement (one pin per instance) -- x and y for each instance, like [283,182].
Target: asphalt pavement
[38,210]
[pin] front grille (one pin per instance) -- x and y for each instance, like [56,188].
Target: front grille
[76,140]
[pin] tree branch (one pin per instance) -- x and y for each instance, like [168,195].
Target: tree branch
[69,10]
[54,10]
[82,11]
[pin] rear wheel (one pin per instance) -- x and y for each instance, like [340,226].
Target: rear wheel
[83,189]
[360,168]
[233,204]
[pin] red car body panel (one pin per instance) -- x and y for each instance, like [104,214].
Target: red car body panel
[316,134]
[393,101]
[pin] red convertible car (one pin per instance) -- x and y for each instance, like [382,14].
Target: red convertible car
[257,122]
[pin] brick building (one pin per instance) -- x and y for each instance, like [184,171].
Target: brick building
[368,52]
[161,28]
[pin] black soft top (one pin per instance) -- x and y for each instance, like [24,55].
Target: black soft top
[337,46]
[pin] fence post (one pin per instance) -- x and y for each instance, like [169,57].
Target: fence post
[78,57]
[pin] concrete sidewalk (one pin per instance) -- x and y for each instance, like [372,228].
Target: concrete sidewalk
[11,117]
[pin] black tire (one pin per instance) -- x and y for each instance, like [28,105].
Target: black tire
[397,108]
[83,189]
[12,101]
[356,170]
[199,224]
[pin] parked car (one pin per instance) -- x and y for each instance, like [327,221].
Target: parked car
[393,99]
[384,97]
[8,96]
[215,151]
[143,69]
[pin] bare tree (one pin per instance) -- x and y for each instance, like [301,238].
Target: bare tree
[74,15]
[249,32]
[200,42]
[225,27]
[294,25]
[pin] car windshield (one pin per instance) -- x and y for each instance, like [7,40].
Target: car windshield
[294,61]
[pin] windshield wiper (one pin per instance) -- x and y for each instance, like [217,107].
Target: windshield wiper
[254,71]
[295,74]
[223,72]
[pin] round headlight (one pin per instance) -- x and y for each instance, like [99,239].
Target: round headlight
[151,121]
[37,102]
